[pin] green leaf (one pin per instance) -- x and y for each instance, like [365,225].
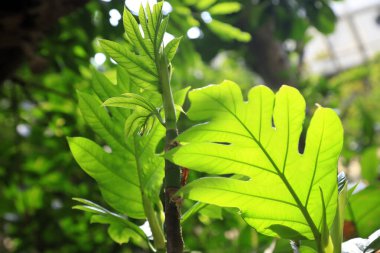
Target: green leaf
[139,121]
[237,137]
[141,69]
[112,132]
[144,46]
[105,89]
[369,162]
[124,82]
[225,8]
[133,101]
[116,177]
[363,209]
[204,4]
[119,233]
[193,210]
[104,216]
[213,212]
[171,48]
[161,32]
[180,95]
[130,101]
[154,22]
[199,205]
[227,31]
[100,121]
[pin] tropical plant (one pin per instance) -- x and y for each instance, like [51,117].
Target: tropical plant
[279,191]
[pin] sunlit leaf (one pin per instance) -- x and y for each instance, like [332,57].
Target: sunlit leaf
[171,48]
[228,32]
[237,137]
[225,8]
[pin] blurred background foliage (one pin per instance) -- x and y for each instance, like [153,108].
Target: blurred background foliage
[47,49]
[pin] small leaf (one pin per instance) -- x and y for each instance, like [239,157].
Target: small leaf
[192,210]
[180,95]
[204,4]
[369,162]
[144,46]
[171,48]
[140,68]
[120,233]
[225,8]
[228,32]
[179,109]
[105,216]
[89,209]
[135,122]
[130,101]
[161,32]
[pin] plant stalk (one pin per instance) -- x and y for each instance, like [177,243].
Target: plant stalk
[172,171]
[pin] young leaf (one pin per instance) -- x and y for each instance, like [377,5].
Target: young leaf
[141,69]
[141,57]
[120,233]
[105,216]
[133,101]
[120,228]
[284,185]
[171,48]
[144,46]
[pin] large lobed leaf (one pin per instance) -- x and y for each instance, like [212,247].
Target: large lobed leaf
[283,196]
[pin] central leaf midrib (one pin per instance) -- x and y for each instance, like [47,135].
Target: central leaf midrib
[283,178]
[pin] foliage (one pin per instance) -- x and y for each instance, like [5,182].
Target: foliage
[38,175]
[307,210]
[238,138]
[363,210]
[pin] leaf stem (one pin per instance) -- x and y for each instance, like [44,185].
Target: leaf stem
[172,171]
